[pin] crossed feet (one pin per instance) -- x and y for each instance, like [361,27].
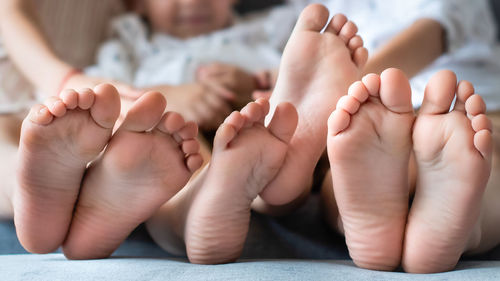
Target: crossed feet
[90,211]
[371,135]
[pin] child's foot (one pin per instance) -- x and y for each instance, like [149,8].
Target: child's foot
[316,70]
[369,145]
[246,157]
[58,140]
[453,154]
[148,160]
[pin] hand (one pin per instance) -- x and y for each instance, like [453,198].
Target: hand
[206,104]
[80,81]
[230,77]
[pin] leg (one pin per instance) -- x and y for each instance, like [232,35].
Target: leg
[453,152]
[150,158]
[369,146]
[315,72]
[58,140]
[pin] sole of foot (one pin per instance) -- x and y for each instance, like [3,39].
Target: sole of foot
[58,140]
[369,146]
[148,160]
[316,70]
[246,157]
[453,151]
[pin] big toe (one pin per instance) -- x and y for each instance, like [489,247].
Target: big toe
[395,91]
[146,113]
[106,108]
[284,122]
[439,93]
[313,18]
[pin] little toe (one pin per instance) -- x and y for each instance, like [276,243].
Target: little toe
[371,83]
[284,122]
[190,147]
[475,105]
[56,106]
[145,114]
[395,91]
[194,162]
[106,108]
[223,136]
[85,98]
[338,121]
[70,98]
[464,91]
[360,57]
[313,18]
[439,93]
[483,142]
[40,115]
[358,91]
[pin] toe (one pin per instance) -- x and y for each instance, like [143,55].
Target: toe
[348,31]
[189,131]
[395,91]
[475,105]
[464,91]
[252,112]
[484,144]
[106,108]
[348,104]
[372,84]
[194,162]
[313,18]
[284,122]
[56,106]
[86,98]
[439,93]
[236,120]
[264,104]
[223,136]
[355,43]
[337,22]
[190,147]
[358,91]
[70,98]
[146,113]
[171,122]
[339,121]
[481,122]
[40,115]
[360,57]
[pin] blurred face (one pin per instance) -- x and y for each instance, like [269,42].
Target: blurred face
[188,18]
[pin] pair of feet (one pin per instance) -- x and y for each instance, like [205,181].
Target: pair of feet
[90,209]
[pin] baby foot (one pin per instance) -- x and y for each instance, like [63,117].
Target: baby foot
[453,153]
[369,146]
[246,156]
[58,140]
[148,160]
[316,70]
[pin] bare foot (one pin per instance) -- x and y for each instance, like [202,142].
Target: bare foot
[453,153]
[369,147]
[148,160]
[58,140]
[246,157]
[316,70]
